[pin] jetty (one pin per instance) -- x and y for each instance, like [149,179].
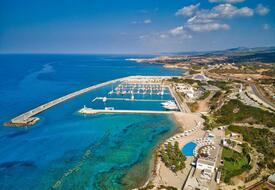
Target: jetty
[29,117]
[90,111]
[129,99]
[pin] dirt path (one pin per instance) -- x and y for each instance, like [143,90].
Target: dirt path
[203,105]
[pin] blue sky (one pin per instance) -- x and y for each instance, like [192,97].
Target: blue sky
[134,26]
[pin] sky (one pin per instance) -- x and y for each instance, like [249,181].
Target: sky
[134,26]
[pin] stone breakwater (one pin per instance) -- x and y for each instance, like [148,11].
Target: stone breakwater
[28,118]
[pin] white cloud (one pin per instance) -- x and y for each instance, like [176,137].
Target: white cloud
[176,31]
[188,10]
[196,19]
[179,32]
[206,27]
[229,11]
[147,21]
[266,27]
[205,20]
[210,19]
[178,35]
[226,1]
[262,10]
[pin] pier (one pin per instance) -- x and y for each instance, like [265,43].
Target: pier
[129,99]
[90,111]
[28,118]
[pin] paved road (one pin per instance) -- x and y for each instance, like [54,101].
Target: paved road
[181,104]
[259,95]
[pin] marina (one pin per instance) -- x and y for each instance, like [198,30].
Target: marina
[64,149]
[129,89]
[104,99]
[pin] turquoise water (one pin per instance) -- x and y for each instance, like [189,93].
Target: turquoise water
[187,150]
[153,101]
[67,150]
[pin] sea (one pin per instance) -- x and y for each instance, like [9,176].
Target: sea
[66,150]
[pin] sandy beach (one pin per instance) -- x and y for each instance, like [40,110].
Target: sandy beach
[161,175]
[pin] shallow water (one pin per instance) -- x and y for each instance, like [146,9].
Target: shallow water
[66,150]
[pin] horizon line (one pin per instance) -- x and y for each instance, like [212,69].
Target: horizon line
[156,53]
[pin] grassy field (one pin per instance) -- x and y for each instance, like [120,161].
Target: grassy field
[236,111]
[234,164]
[261,139]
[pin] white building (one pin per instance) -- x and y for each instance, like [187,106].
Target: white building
[188,90]
[205,164]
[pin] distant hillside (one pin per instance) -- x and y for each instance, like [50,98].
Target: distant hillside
[240,54]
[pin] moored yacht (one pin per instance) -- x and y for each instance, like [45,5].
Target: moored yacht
[167,103]
[170,105]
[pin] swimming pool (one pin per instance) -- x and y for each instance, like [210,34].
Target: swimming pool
[187,150]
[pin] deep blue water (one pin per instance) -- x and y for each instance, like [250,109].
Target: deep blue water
[187,150]
[67,150]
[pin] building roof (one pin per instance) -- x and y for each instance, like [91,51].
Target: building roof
[206,162]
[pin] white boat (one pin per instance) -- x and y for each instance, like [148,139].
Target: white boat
[170,105]
[109,108]
[104,99]
[167,103]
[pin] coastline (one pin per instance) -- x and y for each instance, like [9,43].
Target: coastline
[160,174]
[153,61]
[60,123]
[155,160]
